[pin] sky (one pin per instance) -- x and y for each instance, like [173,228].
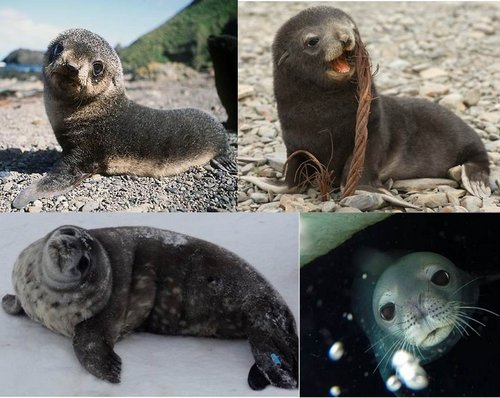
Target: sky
[33,24]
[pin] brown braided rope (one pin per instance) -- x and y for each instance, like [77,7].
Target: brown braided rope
[364,92]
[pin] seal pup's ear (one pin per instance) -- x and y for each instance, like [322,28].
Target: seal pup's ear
[61,179]
[283,58]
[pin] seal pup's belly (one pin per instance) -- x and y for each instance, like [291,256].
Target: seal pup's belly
[155,168]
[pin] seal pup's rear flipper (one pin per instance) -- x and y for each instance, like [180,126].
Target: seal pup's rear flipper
[11,305]
[95,353]
[61,179]
[224,163]
[475,179]
[274,342]
[256,379]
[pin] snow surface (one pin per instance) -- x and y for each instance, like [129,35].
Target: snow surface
[35,361]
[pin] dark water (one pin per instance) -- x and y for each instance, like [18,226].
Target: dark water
[21,68]
[471,368]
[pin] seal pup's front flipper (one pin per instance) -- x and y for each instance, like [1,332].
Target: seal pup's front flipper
[274,342]
[95,351]
[61,179]
[11,305]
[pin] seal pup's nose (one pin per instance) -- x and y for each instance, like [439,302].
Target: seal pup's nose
[72,68]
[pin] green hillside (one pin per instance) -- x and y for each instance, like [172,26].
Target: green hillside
[183,38]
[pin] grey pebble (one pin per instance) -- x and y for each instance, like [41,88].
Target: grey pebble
[259,197]
[471,203]
[364,201]
[90,206]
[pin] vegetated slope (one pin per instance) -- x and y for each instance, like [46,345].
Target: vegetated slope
[183,38]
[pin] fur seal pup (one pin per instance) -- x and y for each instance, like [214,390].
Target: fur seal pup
[97,285]
[102,131]
[224,53]
[315,89]
[420,302]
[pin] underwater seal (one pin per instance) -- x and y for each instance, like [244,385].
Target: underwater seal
[97,285]
[102,131]
[315,89]
[420,302]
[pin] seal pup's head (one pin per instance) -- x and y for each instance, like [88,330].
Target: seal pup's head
[318,45]
[72,259]
[81,65]
[422,299]
[63,278]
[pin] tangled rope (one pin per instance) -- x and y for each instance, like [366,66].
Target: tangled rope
[364,91]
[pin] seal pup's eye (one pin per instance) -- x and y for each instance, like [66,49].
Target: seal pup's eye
[58,49]
[388,311]
[312,41]
[97,68]
[440,278]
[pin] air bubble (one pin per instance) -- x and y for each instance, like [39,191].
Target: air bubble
[408,371]
[335,391]
[348,316]
[393,384]
[401,358]
[336,351]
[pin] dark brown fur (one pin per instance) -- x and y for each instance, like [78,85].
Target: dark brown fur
[407,137]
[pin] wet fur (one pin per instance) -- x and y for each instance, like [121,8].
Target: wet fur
[443,304]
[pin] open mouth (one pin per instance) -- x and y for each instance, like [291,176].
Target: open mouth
[341,64]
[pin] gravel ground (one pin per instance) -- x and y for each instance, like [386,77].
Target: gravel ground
[28,148]
[446,52]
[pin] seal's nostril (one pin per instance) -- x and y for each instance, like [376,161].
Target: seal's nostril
[83,264]
[71,67]
[346,42]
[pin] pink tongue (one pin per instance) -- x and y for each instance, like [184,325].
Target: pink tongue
[340,65]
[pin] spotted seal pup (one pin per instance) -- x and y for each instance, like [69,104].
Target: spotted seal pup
[315,89]
[97,285]
[102,131]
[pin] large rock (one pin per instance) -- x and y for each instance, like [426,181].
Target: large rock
[24,57]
